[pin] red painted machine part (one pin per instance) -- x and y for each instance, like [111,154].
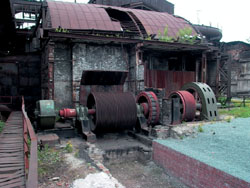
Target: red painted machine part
[188,104]
[151,99]
[67,113]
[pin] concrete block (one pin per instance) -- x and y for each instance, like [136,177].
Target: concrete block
[50,139]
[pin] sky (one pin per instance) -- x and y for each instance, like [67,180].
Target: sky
[232,17]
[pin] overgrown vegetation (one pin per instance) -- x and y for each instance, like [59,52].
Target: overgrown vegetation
[183,36]
[164,37]
[61,30]
[233,103]
[242,112]
[1,125]
[222,101]
[49,159]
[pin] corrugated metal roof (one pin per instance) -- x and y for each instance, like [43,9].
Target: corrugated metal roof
[80,17]
[154,22]
[89,16]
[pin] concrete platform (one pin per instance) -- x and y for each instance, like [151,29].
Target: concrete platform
[218,157]
[49,139]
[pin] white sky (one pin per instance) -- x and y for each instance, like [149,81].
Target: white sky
[232,17]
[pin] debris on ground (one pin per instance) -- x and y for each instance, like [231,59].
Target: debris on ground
[97,180]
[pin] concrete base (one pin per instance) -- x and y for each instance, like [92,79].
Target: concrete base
[63,130]
[49,139]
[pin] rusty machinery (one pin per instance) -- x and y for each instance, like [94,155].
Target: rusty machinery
[195,100]
[108,112]
[45,114]
[205,98]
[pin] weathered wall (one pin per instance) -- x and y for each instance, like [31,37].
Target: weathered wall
[20,76]
[71,59]
[136,71]
[170,72]
[8,79]
[240,74]
[62,75]
[96,57]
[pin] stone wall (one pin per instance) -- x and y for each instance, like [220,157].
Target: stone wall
[71,60]
[62,75]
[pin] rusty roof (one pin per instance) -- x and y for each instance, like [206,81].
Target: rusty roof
[153,22]
[89,16]
[80,17]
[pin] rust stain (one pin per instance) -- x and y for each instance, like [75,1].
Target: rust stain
[168,80]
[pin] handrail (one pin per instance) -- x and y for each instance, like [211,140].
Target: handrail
[30,163]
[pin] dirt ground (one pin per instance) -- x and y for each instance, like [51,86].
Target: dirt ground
[61,175]
[131,174]
[134,174]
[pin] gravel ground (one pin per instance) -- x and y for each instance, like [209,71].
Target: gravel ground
[223,145]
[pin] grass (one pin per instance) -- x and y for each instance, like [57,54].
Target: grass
[236,102]
[242,112]
[1,126]
[49,160]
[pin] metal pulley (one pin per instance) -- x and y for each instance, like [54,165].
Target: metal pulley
[150,105]
[205,98]
[187,104]
[113,111]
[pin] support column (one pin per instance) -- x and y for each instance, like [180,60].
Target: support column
[197,71]
[204,68]
[229,70]
[51,71]
[217,81]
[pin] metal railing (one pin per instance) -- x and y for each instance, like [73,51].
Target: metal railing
[30,150]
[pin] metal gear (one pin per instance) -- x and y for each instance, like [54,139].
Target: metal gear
[149,98]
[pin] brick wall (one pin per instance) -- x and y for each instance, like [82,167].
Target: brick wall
[192,172]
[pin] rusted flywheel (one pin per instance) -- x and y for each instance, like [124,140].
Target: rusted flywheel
[149,101]
[187,104]
[113,111]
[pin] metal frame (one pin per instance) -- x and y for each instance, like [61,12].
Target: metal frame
[30,154]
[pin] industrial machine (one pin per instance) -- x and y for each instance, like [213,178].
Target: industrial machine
[196,101]
[45,114]
[105,107]
[109,112]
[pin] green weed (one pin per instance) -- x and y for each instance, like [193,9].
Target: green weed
[48,160]
[69,147]
[1,125]
[242,112]
[200,129]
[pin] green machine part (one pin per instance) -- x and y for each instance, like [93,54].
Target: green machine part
[45,114]
[206,97]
